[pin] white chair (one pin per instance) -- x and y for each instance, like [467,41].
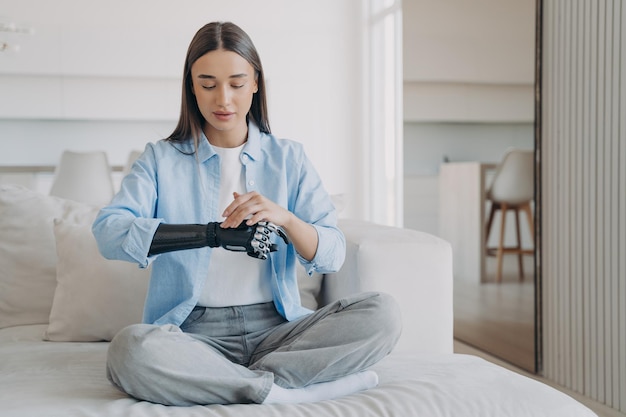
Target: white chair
[513,189]
[84,177]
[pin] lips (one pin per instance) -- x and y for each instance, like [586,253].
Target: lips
[223,116]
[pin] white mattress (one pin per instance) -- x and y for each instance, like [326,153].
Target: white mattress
[67,379]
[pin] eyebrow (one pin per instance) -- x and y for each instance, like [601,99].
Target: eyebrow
[213,77]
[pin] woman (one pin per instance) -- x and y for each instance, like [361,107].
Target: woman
[220,326]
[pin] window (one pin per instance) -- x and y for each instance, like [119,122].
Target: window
[384,111]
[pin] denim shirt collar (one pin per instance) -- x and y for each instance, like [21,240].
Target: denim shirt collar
[252,147]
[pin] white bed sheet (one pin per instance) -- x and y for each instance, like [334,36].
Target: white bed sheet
[40,378]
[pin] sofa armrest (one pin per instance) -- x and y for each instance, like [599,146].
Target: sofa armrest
[414,267]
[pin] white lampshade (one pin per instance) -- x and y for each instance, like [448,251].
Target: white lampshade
[84,177]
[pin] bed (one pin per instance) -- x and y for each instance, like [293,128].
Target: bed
[61,302]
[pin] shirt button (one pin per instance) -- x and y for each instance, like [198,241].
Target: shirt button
[251,182]
[246,157]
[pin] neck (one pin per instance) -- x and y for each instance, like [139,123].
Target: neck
[227,139]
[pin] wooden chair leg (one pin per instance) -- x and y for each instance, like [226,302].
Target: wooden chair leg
[531,223]
[492,212]
[500,255]
[520,255]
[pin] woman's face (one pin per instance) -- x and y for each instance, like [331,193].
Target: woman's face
[224,84]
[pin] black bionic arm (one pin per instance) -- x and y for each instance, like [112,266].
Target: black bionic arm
[173,237]
[254,240]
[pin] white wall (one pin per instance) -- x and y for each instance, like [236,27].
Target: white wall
[106,75]
[428,145]
[470,61]
[479,41]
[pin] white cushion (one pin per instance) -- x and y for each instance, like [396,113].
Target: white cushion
[94,297]
[27,254]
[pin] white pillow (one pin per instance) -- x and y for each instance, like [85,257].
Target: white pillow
[27,252]
[94,297]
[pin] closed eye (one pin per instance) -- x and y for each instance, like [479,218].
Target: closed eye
[211,87]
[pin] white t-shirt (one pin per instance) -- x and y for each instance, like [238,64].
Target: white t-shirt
[234,278]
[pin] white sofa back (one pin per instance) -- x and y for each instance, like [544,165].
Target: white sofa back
[412,266]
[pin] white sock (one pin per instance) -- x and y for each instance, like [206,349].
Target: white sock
[324,390]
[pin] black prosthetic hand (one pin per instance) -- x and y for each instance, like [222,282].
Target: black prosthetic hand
[254,240]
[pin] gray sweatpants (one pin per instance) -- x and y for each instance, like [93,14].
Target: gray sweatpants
[234,354]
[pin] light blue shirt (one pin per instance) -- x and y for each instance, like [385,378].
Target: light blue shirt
[172,184]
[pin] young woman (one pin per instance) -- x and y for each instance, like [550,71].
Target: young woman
[220,326]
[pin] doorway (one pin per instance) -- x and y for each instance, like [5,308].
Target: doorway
[469,96]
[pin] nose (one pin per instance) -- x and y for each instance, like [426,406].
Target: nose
[223,96]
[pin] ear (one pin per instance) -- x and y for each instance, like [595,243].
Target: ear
[256,83]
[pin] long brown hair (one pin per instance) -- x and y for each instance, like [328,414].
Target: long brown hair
[213,36]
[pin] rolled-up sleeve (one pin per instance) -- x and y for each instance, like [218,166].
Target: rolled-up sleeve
[315,206]
[124,229]
[331,251]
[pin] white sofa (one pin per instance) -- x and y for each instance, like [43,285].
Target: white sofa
[60,302]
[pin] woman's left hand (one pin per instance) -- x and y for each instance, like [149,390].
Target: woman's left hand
[302,235]
[255,206]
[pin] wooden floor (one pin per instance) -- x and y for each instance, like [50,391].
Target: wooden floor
[499,318]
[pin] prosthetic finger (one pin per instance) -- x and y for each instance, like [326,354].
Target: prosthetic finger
[276,229]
